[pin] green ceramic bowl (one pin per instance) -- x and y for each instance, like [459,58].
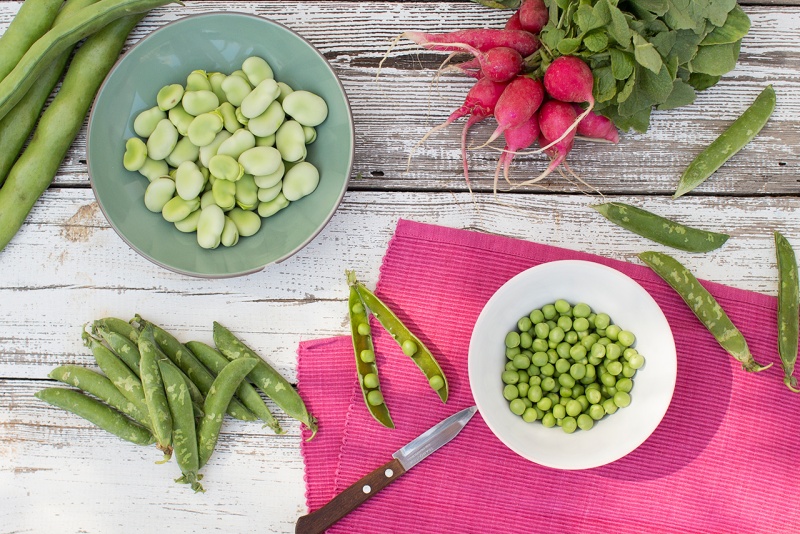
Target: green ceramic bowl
[215,42]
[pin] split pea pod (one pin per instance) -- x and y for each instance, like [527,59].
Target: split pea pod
[704,306]
[409,343]
[155,395]
[733,139]
[96,412]
[265,377]
[120,374]
[788,301]
[101,387]
[184,433]
[219,396]
[215,361]
[365,359]
[660,229]
[32,21]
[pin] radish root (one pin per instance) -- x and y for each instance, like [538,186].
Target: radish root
[392,46]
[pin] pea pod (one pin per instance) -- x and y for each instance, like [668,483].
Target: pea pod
[225,385]
[660,229]
[788,300]
[32,21]
[96,412]
[120,375]
[215,361]
[265,377]
[733,139]
[120,326]
[365,358]
[184,433]
[155,395]
[704,306]
[409,343]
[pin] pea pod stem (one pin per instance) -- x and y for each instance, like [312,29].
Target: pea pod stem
[733,139]
[660,229]
[788,302]
[704,306]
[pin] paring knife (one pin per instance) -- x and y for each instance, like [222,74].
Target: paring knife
[403,460]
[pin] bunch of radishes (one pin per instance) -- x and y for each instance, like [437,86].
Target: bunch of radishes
[549,111]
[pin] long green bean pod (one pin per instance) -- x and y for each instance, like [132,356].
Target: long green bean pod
[366,366]
[184,433]
[96,412]
[37,165]
[660,229]
[265,377]
[101,387]
[215,361]
[17,125]
[61,38]
[788,302]
[155,395]
[225,385]
[704,306]
[410,344]
[34,19]
[120,374]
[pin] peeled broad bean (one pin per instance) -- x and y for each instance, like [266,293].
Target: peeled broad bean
[285,90]
[310,133]
[208,197]
[189,181]
[268,209]
[240,73]
[268,122]
[180,119]
[257,101]
[146,121]
[229,120]
[189,224]
[299,181]
[198,81]
[247,193]
[204,128]
[162,141]
[169,96]
[209,151]
[236,88]
[269,180]
[135,154]
[306,108]
[158,193]
[260,160]
[230,234]
[235,145]
[265,194]
[265,141]
[224,193]
[247,222]
[184,150]
[290,140]
[178,209]
[199,102]
[241,118]
[215,79]
[225,168]
[210,226]
[153,169]
[257,70]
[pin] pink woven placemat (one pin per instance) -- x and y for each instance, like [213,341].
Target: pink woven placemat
[724,459]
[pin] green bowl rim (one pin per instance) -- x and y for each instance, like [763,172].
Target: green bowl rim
[292,252]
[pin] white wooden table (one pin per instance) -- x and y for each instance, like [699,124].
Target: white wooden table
[67,267]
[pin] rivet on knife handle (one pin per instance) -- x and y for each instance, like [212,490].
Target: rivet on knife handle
[349,499]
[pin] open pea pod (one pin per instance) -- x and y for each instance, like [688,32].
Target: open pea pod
[409,343]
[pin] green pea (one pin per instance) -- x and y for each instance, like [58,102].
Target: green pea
[260,161]
[636,361]
[290,141]
[626,338]
[257,70]
[585,422]
[409,348]
[571,336]
[544,404]
[306,108]
[375,397]
[577,371]
[135,154]
[535,393]
[627,370]
[169,96]
[624,385]
[189,224]
[581,310]
[436,382]
[559,411]
[581,324]
[602,321]
[548,369]
[614,368]
[364,329]
[596,412]
[205,127]
[622,399]
[562,306]
[145,122]
[573,408]
[556,334]
[577,352]
[594,396]
[510,392]
[548,420]
[613,352]
[608,379]
[158,193]
[226,168]
[162,141]
[268,209]
[258,100]
[189,181]
[512,339]
[542,330]
[209,151]
[510,377]
[236,88]
[524,324]
[566,380]
[562,365]
[612,332]
[517,406]
[366,355]
[609,407]
[569,425]
[539,345]
[210,226]
[199,102]
[371,380]
[565,323]
[529,415]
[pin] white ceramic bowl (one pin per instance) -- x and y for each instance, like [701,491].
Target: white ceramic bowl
[605,290]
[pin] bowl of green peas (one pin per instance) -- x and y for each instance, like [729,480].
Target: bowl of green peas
[219,144]
[572,364]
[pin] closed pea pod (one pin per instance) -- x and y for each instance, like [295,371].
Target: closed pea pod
[409,343]
[236,88]
[120,326]
[199,102]
[155,395]
[135,154]
[169,96]
[268,209]
[97,413]
[306,108]
[158,193]
[704,306]
[180,119]
[257,70]
[120,374]
[660,229]
[205,127]
[236,144]
[268,122]
[124,348]
[210,226]
[260,160]
[247,222]
[145,122]
[178,209]
[184,150]
[257,101]
[265,377]
[162,141]
[189,181]
[788,300]
[220,394]
[290,141]
[299,181]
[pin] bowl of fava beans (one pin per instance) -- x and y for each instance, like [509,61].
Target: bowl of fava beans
[219,144]
[572,364]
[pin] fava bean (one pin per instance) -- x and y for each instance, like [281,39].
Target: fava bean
[224,194]
[270,180]
[198,81]
[265,141]
[247,222]
[189,181]
[189,224]
[268,122]
[788,299]
[199,102]
[180,119]
[257,101]
[184,150]
[210,226]
[306,108]
[241,118]
[236,88]
[247,193]
[177,209]
[310,133]
[265,194]
[135,154]
[169,96]
[215,79]
[300,180]
[257,70]
[205,127]
[162,141]
[235,145]
[290,141]
[285,90]
[158,193]
[226,168]
[230,235]
[260,160]
[145,122]
[209,151]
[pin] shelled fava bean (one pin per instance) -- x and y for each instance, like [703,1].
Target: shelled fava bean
[568,366]
[224,151]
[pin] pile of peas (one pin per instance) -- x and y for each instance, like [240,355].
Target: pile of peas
[568,366]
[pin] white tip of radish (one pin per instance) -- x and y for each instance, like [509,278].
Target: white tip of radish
[497,133]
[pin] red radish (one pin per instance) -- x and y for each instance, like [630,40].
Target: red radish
[556,122]
[533,15]
[498,64]
[513,22]
[517,139]
[517,104]
[483,39]
[596,126]
[569,79]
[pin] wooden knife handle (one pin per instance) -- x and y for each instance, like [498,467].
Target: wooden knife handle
[349,499]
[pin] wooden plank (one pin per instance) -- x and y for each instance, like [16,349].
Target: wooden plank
[392,113]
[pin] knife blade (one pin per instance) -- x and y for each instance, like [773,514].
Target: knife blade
[402,460]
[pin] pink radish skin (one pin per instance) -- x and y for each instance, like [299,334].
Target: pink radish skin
[533,15]
[555,120]
[500,64]
[517,139]
[596,126]
[517,104]
[513,22]
[483,39]
[569,79]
